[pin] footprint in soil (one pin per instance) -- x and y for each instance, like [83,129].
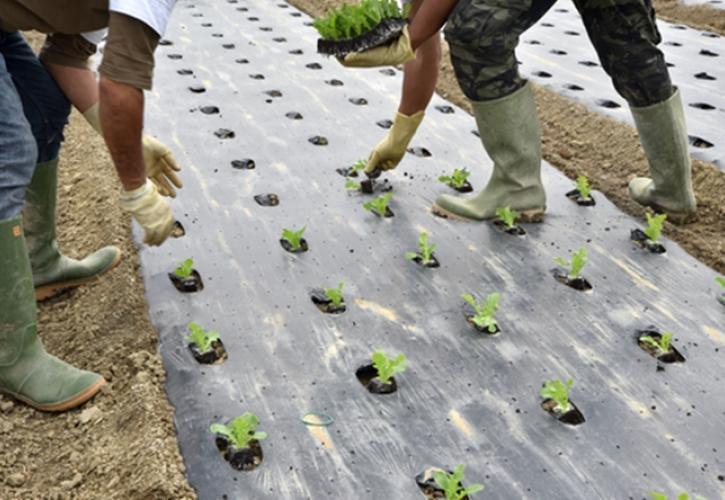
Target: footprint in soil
[546,25]
[420,152]
[358,101]
[318,140]
[334,83]
[532,42]
[197,89]
[253,19]
[242,9]
[217,35]
[313,66]
[245,164]
[673,44]
[294,115]
[295,14]
[209,110]
[571,33]
[225,133]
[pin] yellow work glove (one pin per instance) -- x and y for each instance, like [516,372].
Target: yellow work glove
[390,151]
[397,53]
[151,211]
[161,166]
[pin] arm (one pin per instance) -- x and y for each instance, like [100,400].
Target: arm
[429,19]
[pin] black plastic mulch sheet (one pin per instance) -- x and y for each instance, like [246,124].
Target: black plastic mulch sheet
[466,397]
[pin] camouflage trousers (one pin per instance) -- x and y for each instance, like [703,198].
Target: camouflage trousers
[483,35]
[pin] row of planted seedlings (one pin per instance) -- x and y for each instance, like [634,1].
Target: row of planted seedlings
[238,439]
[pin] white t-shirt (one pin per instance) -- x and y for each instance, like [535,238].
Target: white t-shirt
[154,13]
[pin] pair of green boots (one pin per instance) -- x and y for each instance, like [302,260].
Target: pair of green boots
[510,132]
[27,372]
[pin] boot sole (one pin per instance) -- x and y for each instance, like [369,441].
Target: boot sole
[526,216]
[45,292]
[69,404]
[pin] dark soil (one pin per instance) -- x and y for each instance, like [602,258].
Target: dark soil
[246,459]
[428,486]
[671,356]
[288,246]
[191,284]
[576,197]
[580,284]
[572,417]
[643,241]
[214,356]
[516,230]
[319,298]
[367,376]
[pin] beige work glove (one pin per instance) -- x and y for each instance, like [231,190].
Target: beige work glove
[391,150]
[395,54]
[161,166]
[151,211]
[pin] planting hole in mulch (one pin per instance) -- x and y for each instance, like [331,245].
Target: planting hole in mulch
[703,75]
[368,377]
[469,313]
[699,142]
[313,65]
[185,72]
[671,356]
[287,246]
[216,354]
[428,486]
[197,89]
[385,32]
[606,103]
[266,28]
[187,285]
[209,110]
[387,72]
[571,417]
[542,74]
[386,124]
[267,200]
[575,196]
[228,46]
[372,186]
[580,284]
[279,39]
[294,115]
[420,152]
[324,304]
[178,231]
[273,93]
[241,61]
[296,52]
[318,140]
[164,41]
[445,109]
[217,35]
[643,241]
[225,133]
[256,76]
[431,264]
[334,82]
[708,53]
[245,164]
[574,87]
[358,101]
[515,231]
[174,56]
[244,459]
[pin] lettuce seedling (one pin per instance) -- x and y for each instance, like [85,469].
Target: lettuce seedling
[654,226]
[578,261]
[426,250]
[379,205]
[663,344]
[294,238]
[387,367]
[654,495]
[720,281]
[558,392]
[334,295]
[185,268]
[358,166]
[484,311]
[200,338]
[507,216]
[457,179]
[350,21]
[452,484]
[582,185]
[240,431]
[352,185]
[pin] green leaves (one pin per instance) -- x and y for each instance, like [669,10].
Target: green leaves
[663,343]
[387,367]
[720,281]
[578,261]
[582,185]
[379,205]
[457,179]
[558,392]
[352,185]
[335,294]
[294,238]
[350,21]
[452,484]
[654,226]
[654,495]
[507,216]
[426,250]
[200,338]
[185,268]
[484,311]
[241,430]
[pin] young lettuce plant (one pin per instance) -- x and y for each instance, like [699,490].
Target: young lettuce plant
[185,268]
[558,392]
[578,261]
[507,216]
[379,205]
[203,340]
[294,238]
[350,21]
[583,186]
[663,343]
[457,179]
[452,484]
[352,185]
[334,295]
[654,226]
[240,431]
[484,311]
[426,250]
[721,281]
[654,495]
[388,367]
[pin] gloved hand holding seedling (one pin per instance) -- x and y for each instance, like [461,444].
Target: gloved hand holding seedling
[452,484]
[558,392]
[484,311]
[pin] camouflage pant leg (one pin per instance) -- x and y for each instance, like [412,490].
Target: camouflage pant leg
[625,36]
[483,35]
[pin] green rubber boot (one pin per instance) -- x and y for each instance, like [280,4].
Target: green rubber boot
[53,271]
[510,133]
[27,372]
[663,134]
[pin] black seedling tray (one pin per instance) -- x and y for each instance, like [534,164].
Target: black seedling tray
[385,32]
